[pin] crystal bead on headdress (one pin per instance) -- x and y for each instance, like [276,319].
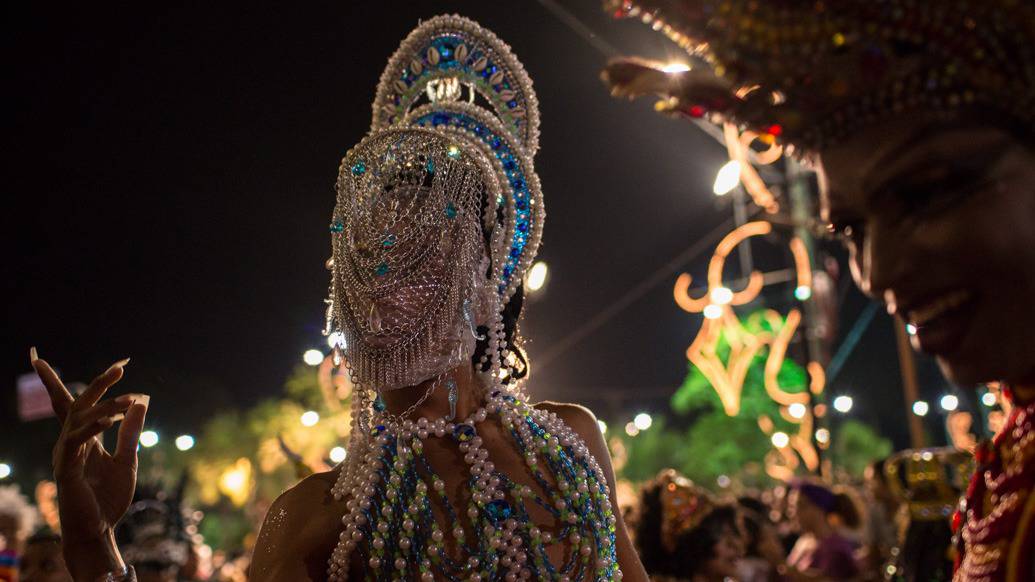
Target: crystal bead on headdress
[810,73]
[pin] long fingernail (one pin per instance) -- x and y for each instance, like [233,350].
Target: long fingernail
[142,399]
[127,399]
[118,417]
[33,356]
[121,363]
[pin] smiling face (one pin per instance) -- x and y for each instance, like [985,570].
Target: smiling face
[938,221]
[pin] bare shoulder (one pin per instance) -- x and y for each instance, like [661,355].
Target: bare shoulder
[299,532]
[584,423]
[578,417]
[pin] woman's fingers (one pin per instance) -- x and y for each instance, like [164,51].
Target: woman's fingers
[78,436]
[60,398]
[129,432]
[100,385]
[115,407]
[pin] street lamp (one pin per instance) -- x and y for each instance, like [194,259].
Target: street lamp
[148,439]
[338,454]
[727,178]
[780,440]
[310,418]
[184,442]
[921,408]
[843,404]
[312,357]
[643,421]
[797,410]
[949,402]
[5,470]
[536,277]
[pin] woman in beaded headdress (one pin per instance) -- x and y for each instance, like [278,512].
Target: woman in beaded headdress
[920,120]
[451,473]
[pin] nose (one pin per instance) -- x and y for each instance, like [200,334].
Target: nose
[876,263]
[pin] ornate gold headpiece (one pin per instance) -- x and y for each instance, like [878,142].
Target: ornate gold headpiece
[929,481]
[810,72]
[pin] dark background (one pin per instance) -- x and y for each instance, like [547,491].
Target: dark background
[170,179]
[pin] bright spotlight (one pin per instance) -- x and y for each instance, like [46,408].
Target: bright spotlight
[603,426]
[910,329]
[631,430]
[148,438]
[823,436]
[722,295]
[5,470]
[713,311]
[184,442]
[310,418]
[312,357]
[536,277]
[675,67]
[780,440]
[843,404]
[727,178]
[803,293]
[338,454]
[921,408]
[797,410]
[335,339]
[988,399]
[643,421]
[949,402]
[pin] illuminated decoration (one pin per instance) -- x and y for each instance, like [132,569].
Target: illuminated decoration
[235,481]
[738,144]
[921,408]
[643,421]
[727,375]
[843,404]
[5,470]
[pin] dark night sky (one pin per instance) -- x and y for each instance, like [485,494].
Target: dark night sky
[171,174]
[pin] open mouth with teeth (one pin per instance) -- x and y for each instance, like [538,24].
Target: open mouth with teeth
[941,323]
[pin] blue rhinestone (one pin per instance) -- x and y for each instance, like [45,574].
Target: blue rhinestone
[509,164]
[496,143]
[379,404]
[522,226]
[521,205]
[389,241]
[337,226]
[377,430]
[439,119]
[518,184]
[446,52]
[464,432]
[515,252]
[359,168]
[450,211]
[498,510]
[431,166]
[512,104]
[381,270]
[507,271]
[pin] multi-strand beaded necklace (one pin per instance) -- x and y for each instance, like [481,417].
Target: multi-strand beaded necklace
[391,521]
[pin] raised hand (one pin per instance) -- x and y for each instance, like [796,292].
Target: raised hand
[95,487]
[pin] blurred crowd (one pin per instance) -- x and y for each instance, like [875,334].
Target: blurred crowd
[895,524]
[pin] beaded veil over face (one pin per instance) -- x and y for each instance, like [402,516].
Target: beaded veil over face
[810,73]
[439,213]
